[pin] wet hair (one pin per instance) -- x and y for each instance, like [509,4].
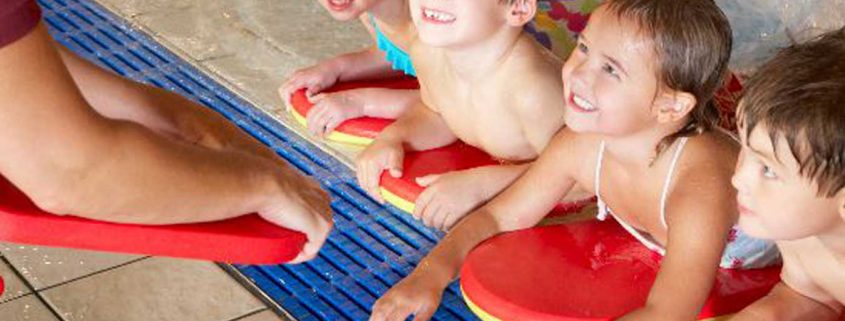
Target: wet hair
[692,42]
[800,95]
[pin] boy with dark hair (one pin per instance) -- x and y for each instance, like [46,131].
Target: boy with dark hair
[791,174]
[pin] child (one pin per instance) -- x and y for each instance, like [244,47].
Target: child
[389,23]
[638,92]
[483,81]
[790,177]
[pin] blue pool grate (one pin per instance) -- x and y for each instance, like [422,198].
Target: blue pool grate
[371,247]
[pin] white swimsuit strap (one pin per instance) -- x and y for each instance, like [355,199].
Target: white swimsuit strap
[602,207]
[665,194]
[598,169]
[648,242]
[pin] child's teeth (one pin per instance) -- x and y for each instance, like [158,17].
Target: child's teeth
[438,16]
[583,103]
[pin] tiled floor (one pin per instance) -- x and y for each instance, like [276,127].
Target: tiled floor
[250,46]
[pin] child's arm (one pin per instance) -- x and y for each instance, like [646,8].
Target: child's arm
[796,298]
[521,206]
[419,129]
[786,304]
[699,219]
[331,110]
[366,64]
[448,197]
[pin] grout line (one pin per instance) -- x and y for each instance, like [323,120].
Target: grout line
[93,274]
[31,289]
[244,281]
[250,314]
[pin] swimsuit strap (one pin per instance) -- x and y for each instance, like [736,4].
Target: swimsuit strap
[665,194]
[603,211]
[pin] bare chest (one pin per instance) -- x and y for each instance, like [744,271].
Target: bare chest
[483,118]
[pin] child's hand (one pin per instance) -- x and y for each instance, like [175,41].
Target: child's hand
[314,79]
[330,110]
[298,203]
[383,154]
[447,198]
[416,294]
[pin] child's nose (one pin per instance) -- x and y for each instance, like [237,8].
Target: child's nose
[737,180]
[581,75]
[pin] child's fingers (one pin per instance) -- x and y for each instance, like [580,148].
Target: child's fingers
[439,219]
[427,180]
[314,119]
[450,222]
[422,203]
[431,212]
[400,313]
[424,314]
[318,98]
[381,310]
[373,178]
[287,89]
[333,123]
[395,163]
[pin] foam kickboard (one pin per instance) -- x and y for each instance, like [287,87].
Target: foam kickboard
[403,192]
[590,270]
[247,239]
[358,131]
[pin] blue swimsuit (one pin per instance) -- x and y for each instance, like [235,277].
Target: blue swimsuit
[397,57]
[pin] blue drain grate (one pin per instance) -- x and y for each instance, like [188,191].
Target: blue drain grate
[371,247]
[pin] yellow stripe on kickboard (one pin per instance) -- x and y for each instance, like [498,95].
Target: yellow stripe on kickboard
[484,316]
[397,201]
[334,136]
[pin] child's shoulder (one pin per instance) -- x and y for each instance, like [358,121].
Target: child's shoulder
[812,269]
[714,149]
[529,56]
[535,75]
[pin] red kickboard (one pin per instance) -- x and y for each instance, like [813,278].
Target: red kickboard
[583,271]
[455,157]
[365,127]
[247,239]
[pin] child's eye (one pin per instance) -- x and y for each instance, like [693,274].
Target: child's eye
[610,70]
[768,172]
[582,47]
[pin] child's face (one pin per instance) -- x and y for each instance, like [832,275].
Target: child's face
[345,10]
[610,79]
[775,201]
[451,23]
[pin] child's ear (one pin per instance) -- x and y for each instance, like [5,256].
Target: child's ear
[674,105]
[521,12]
[840,203]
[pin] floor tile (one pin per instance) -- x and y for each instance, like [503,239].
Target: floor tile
[14,286]
[301,27]
[47,266]
[27,308]
[155,289]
